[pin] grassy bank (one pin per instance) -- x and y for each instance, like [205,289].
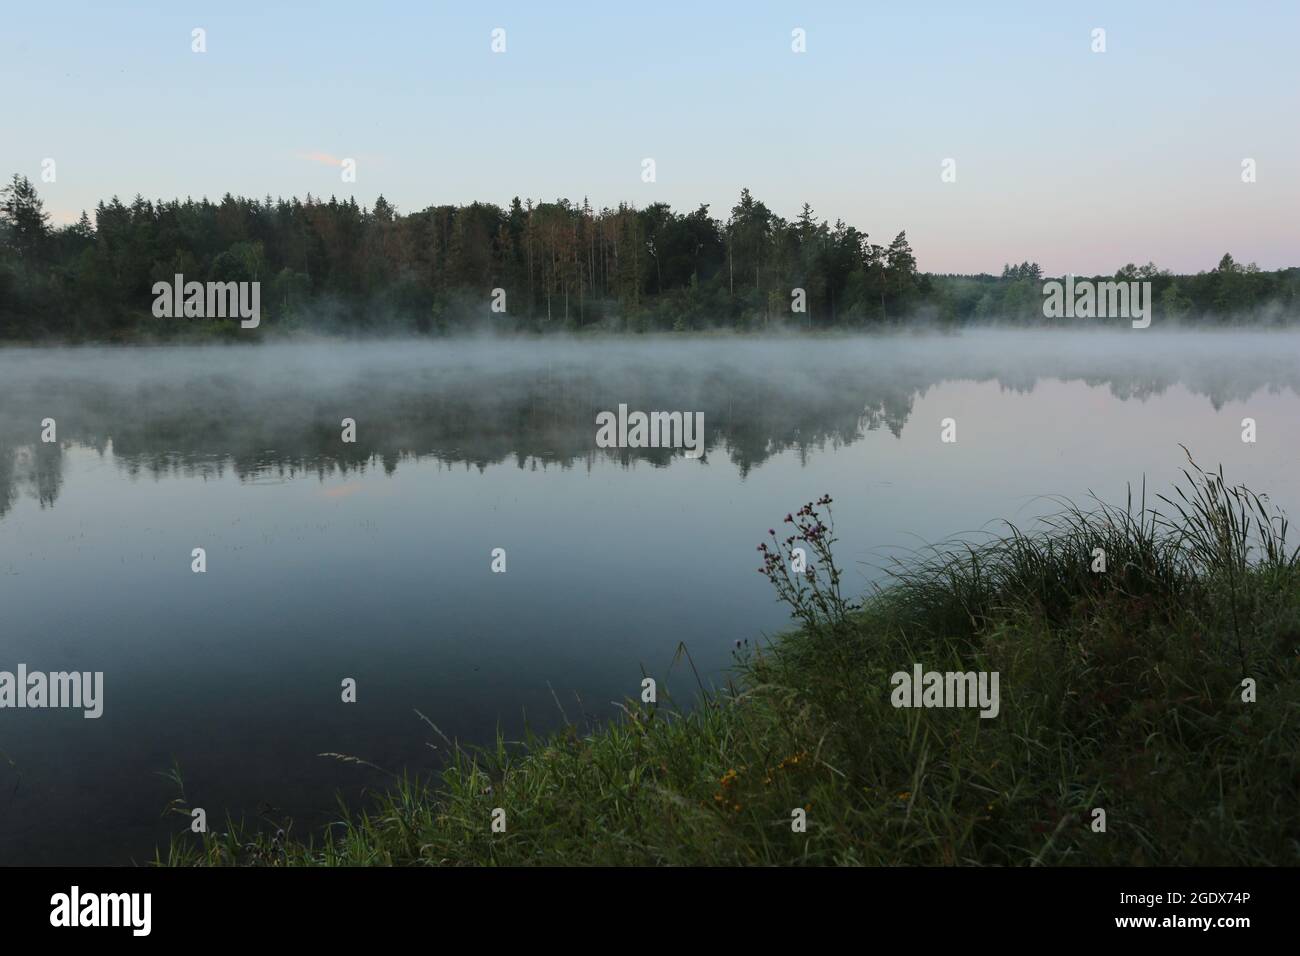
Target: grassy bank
[1120,689]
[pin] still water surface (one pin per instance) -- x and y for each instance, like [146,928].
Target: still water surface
[372,560]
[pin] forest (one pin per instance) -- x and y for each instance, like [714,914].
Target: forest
[335,267]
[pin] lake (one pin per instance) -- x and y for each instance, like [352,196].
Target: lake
[372,560]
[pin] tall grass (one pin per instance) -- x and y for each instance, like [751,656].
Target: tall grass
[1121,690]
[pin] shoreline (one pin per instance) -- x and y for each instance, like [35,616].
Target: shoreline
[1155,699]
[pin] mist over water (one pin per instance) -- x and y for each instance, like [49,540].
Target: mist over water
[371,560]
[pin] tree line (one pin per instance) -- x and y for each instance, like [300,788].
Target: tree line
[339,267]
[1229,292]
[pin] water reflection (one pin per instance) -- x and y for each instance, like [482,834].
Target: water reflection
[275,411]
[32,470]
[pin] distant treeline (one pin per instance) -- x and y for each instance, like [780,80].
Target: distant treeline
[338,267]
[1230,292]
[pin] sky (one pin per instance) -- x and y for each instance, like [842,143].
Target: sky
[1079,160]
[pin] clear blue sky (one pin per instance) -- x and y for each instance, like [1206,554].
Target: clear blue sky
[1080,160]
